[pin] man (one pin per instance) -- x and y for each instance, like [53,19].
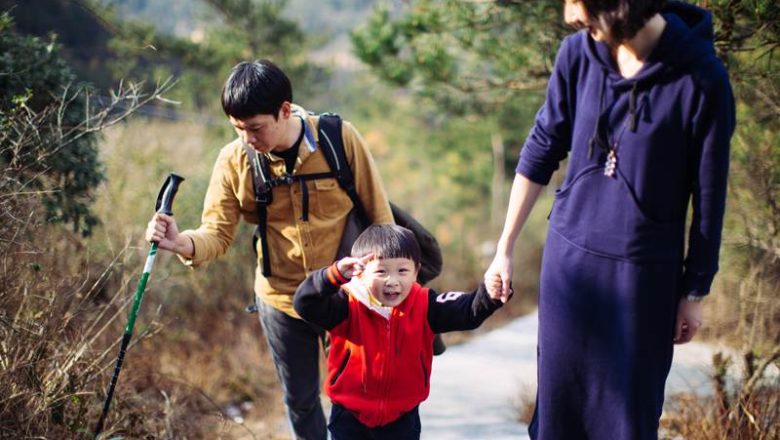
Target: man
[304,220]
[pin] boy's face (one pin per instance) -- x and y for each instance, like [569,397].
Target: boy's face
[389,279]
[263,132]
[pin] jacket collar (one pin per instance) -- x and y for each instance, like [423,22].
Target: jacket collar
[359,291]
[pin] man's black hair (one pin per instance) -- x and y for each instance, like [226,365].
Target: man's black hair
[623,18]
[254,88]
[387,241]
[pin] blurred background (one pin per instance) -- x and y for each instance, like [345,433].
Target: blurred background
[101,99]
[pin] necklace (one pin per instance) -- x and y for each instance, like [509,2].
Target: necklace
[610,166]
[611,146]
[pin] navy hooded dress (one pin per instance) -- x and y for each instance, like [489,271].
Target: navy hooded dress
[615,263]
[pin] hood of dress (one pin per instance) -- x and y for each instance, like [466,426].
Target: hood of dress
[687,37]
[685,40]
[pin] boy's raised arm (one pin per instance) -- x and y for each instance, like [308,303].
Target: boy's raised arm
[320,300]
[450,311]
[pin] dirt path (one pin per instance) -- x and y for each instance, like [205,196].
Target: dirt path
[477,387]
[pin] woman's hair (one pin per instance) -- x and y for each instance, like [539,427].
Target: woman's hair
[253,88]
[623,18]
[387,241]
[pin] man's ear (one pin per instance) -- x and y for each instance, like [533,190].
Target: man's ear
[286,110]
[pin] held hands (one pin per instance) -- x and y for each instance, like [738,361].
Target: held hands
[689,318]
[351,266]
[163,230]
[498,278]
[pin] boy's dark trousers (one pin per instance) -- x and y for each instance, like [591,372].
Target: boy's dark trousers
[344,426]
[295,348]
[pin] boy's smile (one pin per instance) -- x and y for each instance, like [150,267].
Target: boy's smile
[389,279]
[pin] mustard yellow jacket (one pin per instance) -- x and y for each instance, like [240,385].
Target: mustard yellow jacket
[296,247]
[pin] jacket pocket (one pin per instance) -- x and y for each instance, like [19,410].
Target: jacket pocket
[602,215]
[426,377]
[330,201]
[341,369]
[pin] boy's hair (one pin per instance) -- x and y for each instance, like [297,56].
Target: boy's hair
[253,88]
[387,241]
[623,18]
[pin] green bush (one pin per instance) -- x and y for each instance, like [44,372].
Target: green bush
[44,145]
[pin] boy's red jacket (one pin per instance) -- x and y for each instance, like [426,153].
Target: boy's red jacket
[379,365]
[379,368]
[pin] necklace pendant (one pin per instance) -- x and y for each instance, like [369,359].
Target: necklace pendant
[611,164]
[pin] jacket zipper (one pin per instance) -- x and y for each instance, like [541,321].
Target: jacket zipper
[384,382]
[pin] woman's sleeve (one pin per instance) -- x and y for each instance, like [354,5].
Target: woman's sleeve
[549,140]
[713,126]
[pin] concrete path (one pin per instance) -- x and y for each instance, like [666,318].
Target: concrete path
[477,387]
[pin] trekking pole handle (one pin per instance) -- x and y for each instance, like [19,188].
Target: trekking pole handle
[168,193]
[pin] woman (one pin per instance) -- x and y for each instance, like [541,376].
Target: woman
[643,109]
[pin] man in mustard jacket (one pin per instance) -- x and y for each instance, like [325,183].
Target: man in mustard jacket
[304,225]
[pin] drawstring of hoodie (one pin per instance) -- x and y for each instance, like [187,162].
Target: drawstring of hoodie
[632,107]
[633,115]
[594,137]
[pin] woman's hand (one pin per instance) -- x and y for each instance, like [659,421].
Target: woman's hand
[690,316]
[498,277]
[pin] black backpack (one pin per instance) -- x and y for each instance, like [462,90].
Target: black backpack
[332,146]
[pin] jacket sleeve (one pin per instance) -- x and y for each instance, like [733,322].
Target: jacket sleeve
[450,311]
[549,140]
[368,182]
[713,127]
[320,300]
[221,212]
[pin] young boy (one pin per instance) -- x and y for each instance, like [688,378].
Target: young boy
[382,325]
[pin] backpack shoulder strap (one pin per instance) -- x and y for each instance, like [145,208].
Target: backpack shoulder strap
[263,197]
[332,145]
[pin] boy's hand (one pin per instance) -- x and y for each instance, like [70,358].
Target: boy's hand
[350,266]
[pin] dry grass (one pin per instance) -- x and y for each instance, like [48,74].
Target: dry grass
[746,408]
[63,307]
[749,410]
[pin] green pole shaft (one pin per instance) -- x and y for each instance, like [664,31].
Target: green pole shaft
[139,291]
[139,296]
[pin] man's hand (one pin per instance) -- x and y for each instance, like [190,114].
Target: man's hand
[163,230]
[498,278]
[690,317]
[350,266]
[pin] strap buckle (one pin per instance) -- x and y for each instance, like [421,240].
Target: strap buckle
[264,199]
[284,179]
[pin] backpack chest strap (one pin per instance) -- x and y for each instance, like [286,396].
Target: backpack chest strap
[289,179]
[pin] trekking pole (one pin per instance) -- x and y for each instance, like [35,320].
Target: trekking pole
[164,205]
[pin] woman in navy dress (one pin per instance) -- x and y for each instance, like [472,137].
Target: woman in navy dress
[643,109]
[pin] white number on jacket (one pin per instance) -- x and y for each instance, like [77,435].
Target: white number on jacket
[448,296]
